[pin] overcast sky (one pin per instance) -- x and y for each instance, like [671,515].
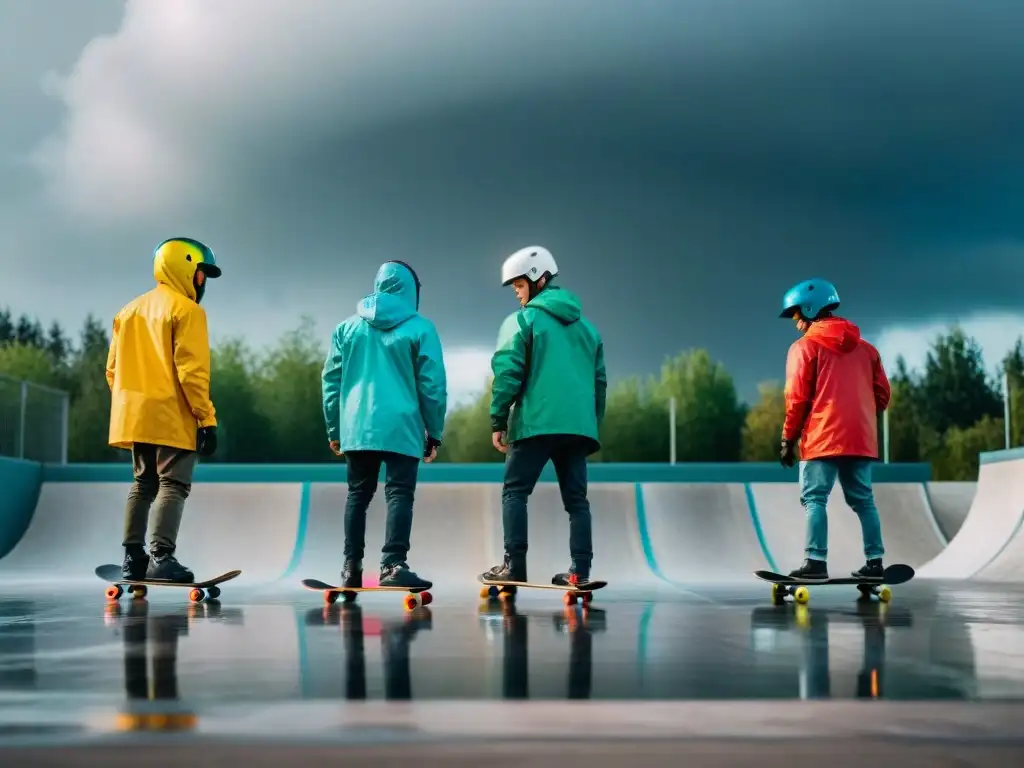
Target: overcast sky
[686,161]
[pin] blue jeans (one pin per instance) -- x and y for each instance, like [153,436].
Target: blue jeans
[817,477]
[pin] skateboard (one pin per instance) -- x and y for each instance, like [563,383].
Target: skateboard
[138,589]
[417,595]
[786,585]
[506,590]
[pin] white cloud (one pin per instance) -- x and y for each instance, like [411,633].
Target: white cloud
[157,111]
[995,332]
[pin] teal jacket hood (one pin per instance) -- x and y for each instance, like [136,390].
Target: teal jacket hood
[561,304]
[395,298]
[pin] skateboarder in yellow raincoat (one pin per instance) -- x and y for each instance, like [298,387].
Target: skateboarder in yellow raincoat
[158,370]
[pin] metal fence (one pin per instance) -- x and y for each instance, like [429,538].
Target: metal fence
[33,421]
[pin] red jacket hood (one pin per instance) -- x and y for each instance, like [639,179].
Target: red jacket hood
[834,333]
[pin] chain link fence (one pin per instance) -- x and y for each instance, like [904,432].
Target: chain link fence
[33,421]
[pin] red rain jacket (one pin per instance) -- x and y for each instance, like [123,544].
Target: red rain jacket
[835,388]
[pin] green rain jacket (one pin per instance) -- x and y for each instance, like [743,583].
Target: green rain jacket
[549,374]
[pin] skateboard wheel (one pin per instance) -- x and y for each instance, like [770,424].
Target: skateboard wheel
[410,602]
[586,597]
[486,592]
[330,597]
[114,592]
[778,594]
[349,596]
[569,598]
[139,592]
[213,593]
[196,595]
[426,598]
[885,594]
[802,595]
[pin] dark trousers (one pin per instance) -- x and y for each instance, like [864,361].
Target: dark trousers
[524,463]
[399,491]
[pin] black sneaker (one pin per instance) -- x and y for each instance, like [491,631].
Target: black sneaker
[871,570]
[576,575]
[163,566]
[352,574]
[136,563]
[399,575]
[811,570]
[511,569]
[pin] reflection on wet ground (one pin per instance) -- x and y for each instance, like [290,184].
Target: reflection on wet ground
[75,665]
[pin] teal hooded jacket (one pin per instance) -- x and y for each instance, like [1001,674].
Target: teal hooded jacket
[549,372]
[384,383]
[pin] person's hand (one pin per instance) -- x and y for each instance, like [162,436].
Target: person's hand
[206,441]
[498,441]
[787,453]
[335,447]
[432,455]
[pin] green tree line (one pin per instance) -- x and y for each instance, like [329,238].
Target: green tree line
[268,403]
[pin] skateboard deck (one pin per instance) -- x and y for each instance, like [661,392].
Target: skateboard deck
[417,595]
[783,585]
[112,573]
[506,590]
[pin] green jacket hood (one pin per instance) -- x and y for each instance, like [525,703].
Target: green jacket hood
[561,304]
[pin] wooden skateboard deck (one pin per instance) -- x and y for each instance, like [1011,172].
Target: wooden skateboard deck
[112,573]
[783,585]
[506,590]
[417,595]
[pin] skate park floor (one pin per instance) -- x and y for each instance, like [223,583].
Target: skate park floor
[718,675]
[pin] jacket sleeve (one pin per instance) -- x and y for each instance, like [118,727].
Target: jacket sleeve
[330,382]
[600,383]
[799,390]
[112,352]
[432,382]
[191,342]
[508,364]
[881,383]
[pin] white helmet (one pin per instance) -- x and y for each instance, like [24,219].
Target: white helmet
[530,262]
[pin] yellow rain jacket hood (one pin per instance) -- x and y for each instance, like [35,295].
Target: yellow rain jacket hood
[158,366]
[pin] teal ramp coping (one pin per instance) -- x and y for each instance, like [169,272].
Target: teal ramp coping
[598,472]
[20,482]
[993,457]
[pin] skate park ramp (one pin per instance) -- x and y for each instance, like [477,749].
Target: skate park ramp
[701,532]
[652,536]
[909,528]
[988,546]
[78,526]
[950,503]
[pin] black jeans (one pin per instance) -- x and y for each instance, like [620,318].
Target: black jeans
[524,463]
[399,491]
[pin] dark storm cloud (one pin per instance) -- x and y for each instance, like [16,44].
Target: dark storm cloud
[685,161]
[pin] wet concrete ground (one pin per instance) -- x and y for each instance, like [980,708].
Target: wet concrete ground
[282,667]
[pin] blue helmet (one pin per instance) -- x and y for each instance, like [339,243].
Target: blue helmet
[810,297]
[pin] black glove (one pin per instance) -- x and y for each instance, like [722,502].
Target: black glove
[787,454]
[432,443]
[206,440]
